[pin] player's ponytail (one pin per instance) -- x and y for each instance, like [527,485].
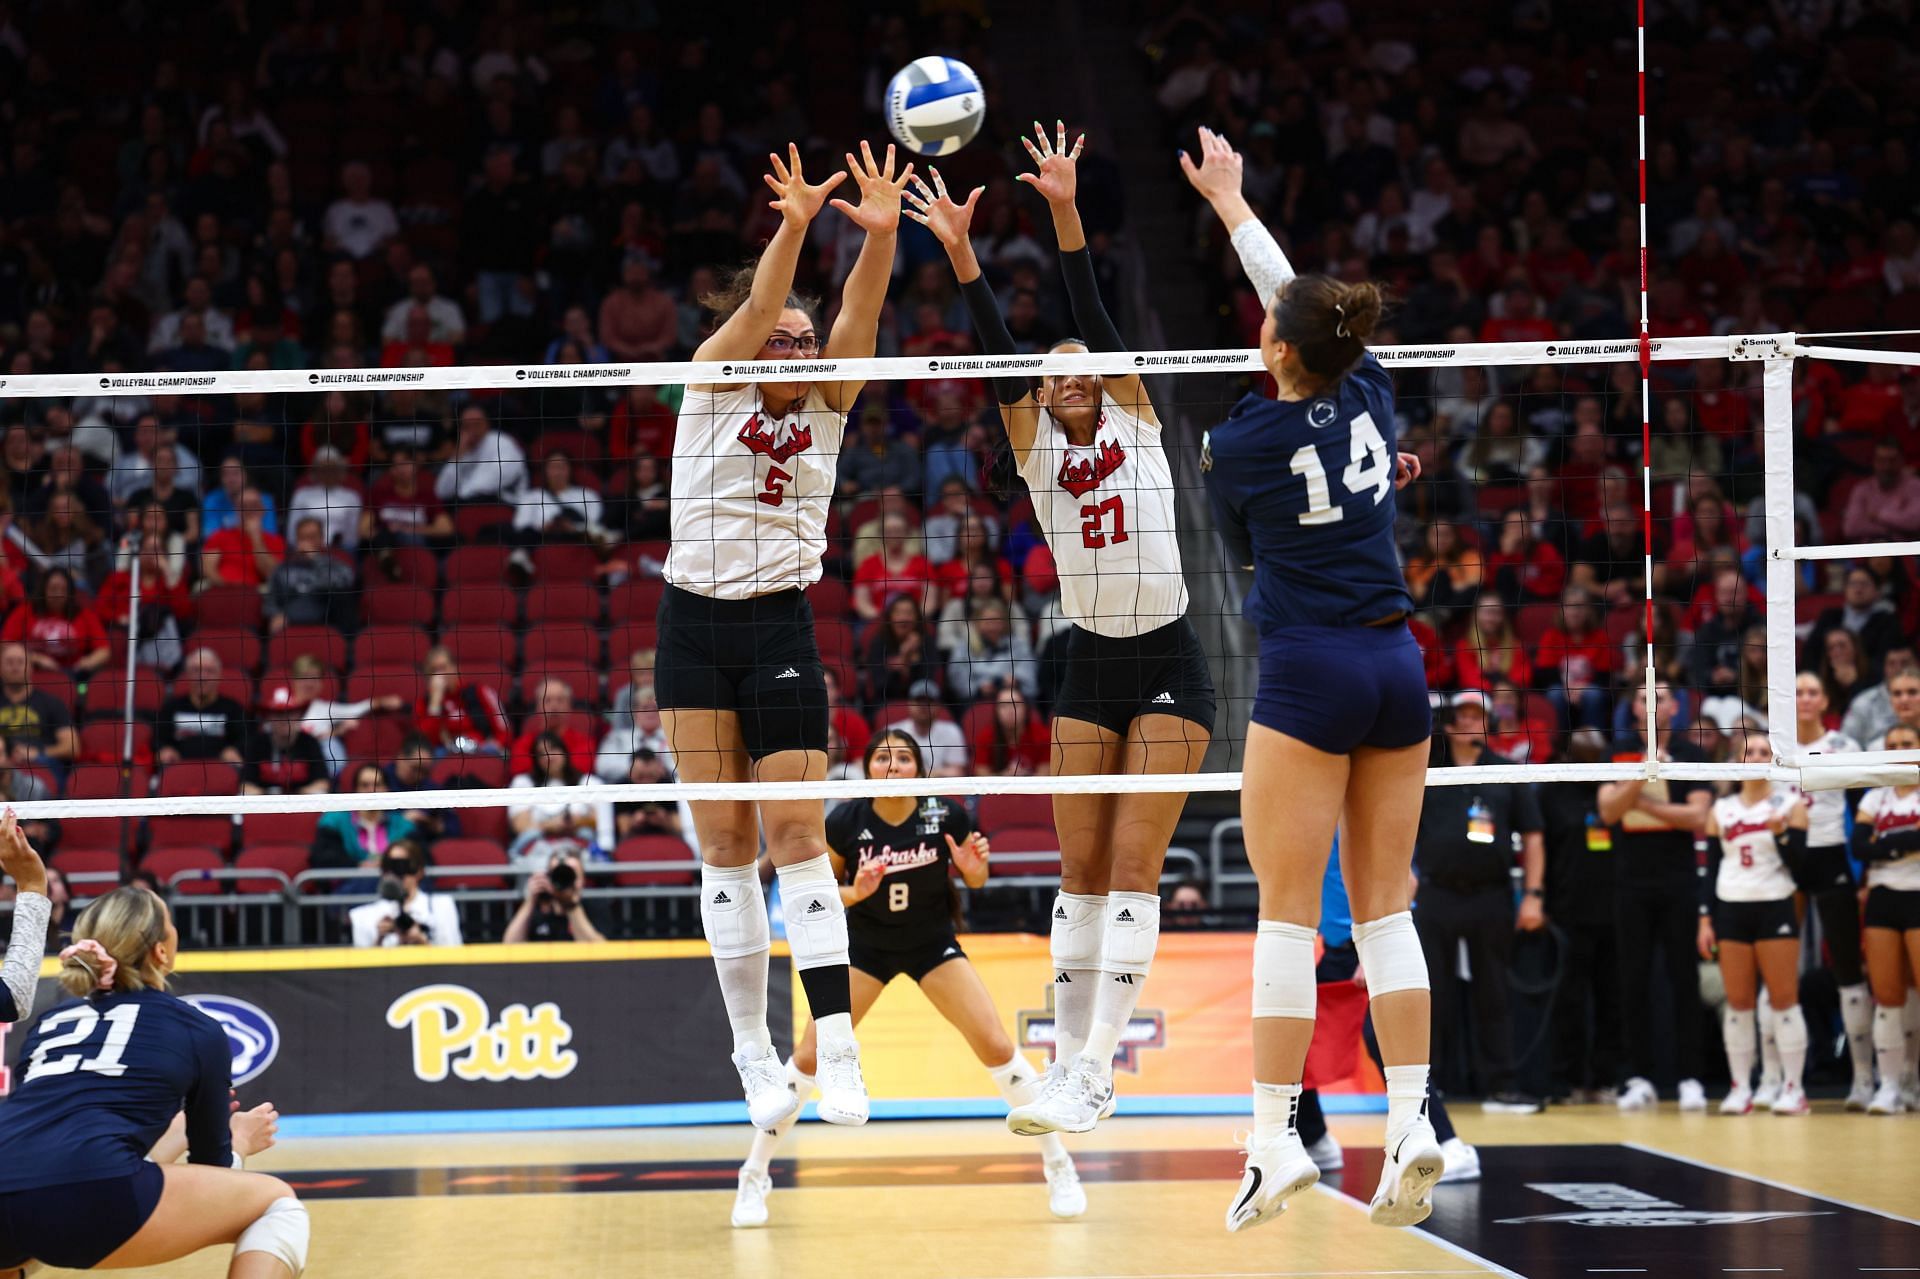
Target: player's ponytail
[1327,323]
[113,943]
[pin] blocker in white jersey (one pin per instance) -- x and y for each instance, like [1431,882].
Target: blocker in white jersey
[1751,887]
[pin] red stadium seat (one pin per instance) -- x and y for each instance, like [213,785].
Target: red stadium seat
[479,645]
[87,861]
[482,565]
[277,828]
[1534,621]
[1027,850]
[577,445]
[404,682]
[1008,812]
[681,869]
[564,562]
[104,742]
[107,781]
[237,650]
[390,604]
[624,641]
[635,600]
[211,831]
[482,768]
[236,608]
[323,642]
[375,740]
[166,863]
[196,777]
[478,603]
[562,646]
[390,645]
[288,859]
[486,823]
[559,600]
[473,519]
[467,851]
[57,685]
[830,598]
[412,566]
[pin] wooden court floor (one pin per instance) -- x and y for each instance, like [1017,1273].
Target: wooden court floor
[1575,1192]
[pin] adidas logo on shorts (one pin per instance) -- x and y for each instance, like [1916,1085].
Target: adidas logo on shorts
[721,899]
[817,907]
[1786,930]
[789,673]
[1125,916]
[1165,699]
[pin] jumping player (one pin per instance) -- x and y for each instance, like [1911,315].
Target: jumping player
[896,858]
[741,687]
[101,1078]
[1748,918]
[1138,697]
[1886,836]
[1302,487]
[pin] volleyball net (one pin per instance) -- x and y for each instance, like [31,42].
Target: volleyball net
[299,566]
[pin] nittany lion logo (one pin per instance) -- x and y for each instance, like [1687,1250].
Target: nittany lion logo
[1321,413]
[251,1034]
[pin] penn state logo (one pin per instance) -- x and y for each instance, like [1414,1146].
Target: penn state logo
[251,1034]
[1320,414]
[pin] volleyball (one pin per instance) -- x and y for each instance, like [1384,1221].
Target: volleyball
[935,105]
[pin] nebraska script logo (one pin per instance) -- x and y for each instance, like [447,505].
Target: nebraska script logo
[759,439]
[1082,476]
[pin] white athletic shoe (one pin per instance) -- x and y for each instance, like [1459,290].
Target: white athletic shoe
[1693,1095]
[1767,1093]
[1861,1095]
[843,1092]
[1463,1162]
[1738,1101]
[1414,1166]
[1069,1102]
[1792,1101]
[1637,1095]
[1326,1154]
[750,1201]
[1887,1099]
[1275,1173]
[1066,1198]
[770,1098]
[1910,1093]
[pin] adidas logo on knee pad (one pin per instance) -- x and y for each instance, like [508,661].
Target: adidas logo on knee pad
[817,907]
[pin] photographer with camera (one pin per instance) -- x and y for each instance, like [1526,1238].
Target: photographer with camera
[405,915]
[553,909]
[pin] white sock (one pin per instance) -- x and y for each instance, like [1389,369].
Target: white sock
[1079,923]
[733,914]
[1889,1045]
[1737,1028]
[1133,931]
[1790,1028]
[835,1032]
[1406,1095]
[1276,1108]
[1019,1083]
[766,1143]
[1910,1019]
[1769,1041]
[1856,1014]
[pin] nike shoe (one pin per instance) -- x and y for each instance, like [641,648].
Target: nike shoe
[843,1092]
[1066,1198]
[1887,1099]
[1509,1102]
[1326,1154]
[770,1098]
[1638,1095]
[1693,1095]
[1792,1101]
[1463,1162]
[1414,1165]
[1275,1173]
[1861,1095]
[1070,1102]
[1738,1101]
[750,1201]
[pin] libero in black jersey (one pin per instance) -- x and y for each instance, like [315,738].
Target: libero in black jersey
[895,857]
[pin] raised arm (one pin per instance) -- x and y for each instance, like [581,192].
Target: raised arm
[1217,179]
[798,202]
[933,209]
[856,330]
[31,912]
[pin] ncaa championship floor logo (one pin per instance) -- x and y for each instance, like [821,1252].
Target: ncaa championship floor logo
[252,1035]
[1147,1028]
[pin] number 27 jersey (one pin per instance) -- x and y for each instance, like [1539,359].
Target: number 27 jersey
[1303,492]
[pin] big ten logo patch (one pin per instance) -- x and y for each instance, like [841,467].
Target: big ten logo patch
[453,1030]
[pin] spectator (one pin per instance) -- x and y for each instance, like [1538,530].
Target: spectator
[543,825]
[1011,742]
[558,510]
[1499,454]
[1491,649]
[1871,713]
[455,716]
[60,632]
[1712,531]
[1577,661]
[576,329]
[896,568]
[327,496]
[344,840]
[642,423]
[448,324]
[221,510]
[312,587]
[1580,895]
[201,722]
[327,721]
[1445,578]
[246,554]
[552,715]
[405,915]
[67,473]
[359,223]
[553,909]
[1715,659]
[875,460]
[636,726]
[638,320]
[942,743]
[166,602]
[279,758]
[644,512]
[36,725]
[196,324]
[899,653]
[71,542]
[487,465]
[943,527]
[1843,670]
[402,510]
[1525,569]
[647,768]
[499,231]
[995,654]
[164,486]
[1865,612]
[412,770]
[1611,562]
[1888,506]
[974,550]
[1903,695]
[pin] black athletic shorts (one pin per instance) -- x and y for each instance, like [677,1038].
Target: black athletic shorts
[79,1225]
[1823,870]
[1110,681]
[1895,908]
[755,657]
[1755,921]
[884,965]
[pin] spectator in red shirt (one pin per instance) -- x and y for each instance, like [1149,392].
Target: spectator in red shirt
[1577,662]
[245,554]
[638,320]
[1513,733]
[1011,742]
[341,425]
[1710,535]
[1520,321]
[1491,648]
[848,723]
[1434,653]
[1524,569]
[402,510]
[61,633]
[641,423]
[1580,474]
[1712,270]
[1726,413]
[417,349]
[551,715]
[1888,505]
[456,716]
[1873,405]
[1489,263]
[1558,263]
[897,568]
[166,601]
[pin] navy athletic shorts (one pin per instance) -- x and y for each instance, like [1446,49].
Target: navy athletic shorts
[1337,688]
[79,1225]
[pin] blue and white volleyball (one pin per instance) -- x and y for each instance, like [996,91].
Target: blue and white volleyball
[935,105]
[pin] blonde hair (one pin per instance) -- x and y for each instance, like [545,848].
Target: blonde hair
[128,922]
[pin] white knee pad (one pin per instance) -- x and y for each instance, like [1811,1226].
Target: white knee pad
[1390,954]
[1737,1026]
[1283,983]
[1888,1034]
[816,919]
[1079,924]
[283,1232]
[733,910]
[1133,930]
[1790,1029]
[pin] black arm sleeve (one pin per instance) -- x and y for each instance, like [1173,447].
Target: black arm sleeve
[209,1140]
[1793,848]
[1089,312]
[1709,883]
[1862,841]
[994,337]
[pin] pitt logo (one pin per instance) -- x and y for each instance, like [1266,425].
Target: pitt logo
[759,439]
[451,1022]
[1081,477]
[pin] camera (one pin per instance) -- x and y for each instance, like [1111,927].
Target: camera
[394,890]
[563,877]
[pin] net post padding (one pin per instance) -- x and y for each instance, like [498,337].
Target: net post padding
[1776,427]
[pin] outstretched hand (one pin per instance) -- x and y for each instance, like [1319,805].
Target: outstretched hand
[18,857]
[935,210]
[799,201]
[1058,175]
[879,210]
[970,857]
[1218,173]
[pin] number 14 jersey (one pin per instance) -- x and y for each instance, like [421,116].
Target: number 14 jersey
[1106,509]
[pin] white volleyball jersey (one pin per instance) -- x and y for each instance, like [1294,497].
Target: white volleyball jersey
[1895,817]
[1751,869]
[1827,809]
[1106,509]
[750,493]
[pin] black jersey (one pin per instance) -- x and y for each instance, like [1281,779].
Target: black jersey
[914,903]
[99,1081]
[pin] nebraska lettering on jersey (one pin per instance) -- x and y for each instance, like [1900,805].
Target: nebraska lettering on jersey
[1081,476]
[1751,868]
[921,854]
[759,439]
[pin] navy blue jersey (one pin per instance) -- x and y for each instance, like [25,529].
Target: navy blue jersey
[100,1079]
[1303,492]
